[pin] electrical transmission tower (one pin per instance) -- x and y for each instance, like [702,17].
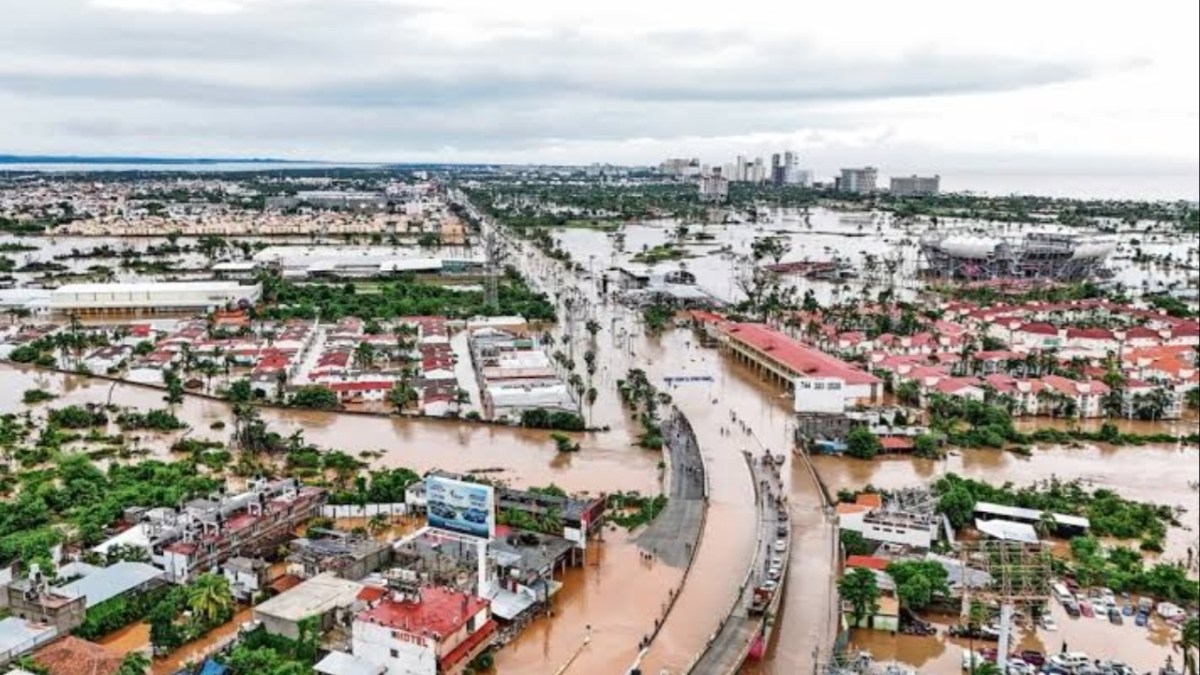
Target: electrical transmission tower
[1021,573]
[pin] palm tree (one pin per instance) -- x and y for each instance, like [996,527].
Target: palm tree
[378,523]
[364,356]
[1189,643]
[209,598]
[1047,524]
[210,370]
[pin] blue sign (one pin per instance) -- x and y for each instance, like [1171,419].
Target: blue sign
[460,507]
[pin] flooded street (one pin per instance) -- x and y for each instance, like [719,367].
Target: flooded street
[137,636]
[618,594]
[1144,649]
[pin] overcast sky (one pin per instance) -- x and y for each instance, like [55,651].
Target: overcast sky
[910,86]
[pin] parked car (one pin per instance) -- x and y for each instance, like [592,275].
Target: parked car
[1048,623]
[1085,608]
[1068,661]
[781,546]
[1072,608]
[1141,618]
[1033,657]
[1114,616]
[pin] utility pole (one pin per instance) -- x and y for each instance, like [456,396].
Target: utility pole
[493,267]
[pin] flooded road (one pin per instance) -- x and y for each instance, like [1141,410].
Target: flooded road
[1144,649]
[136,637]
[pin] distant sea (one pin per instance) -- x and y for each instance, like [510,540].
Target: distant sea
[199,167]
[1148,187]
[1169,187]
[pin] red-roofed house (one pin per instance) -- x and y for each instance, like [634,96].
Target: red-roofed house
[1087,396]
[1141,336]
[437,633]
[1036,335]
[1091,341]
[1186,333]
[785,360]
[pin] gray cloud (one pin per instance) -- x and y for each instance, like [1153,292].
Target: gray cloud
[355,74]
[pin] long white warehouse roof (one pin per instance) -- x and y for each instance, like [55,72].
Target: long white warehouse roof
[152,294]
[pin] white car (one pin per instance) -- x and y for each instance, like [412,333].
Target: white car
[1048,623]
[780,546]
[773,573]
[769,585]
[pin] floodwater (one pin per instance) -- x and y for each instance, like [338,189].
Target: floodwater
[1152,473]
[851,236]
[1145,649]
[618,594]
[525,457]
[136,637]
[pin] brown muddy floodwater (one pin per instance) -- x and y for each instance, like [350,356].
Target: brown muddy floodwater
[136,637]
[1145,649]
[1152,473]
[527,457]
[618,594]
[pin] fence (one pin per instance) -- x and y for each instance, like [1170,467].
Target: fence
[363,510]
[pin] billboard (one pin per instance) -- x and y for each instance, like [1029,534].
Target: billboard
[820,395]
[460,507]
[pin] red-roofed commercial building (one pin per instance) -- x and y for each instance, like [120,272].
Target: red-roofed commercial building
[438,631]
[786,360]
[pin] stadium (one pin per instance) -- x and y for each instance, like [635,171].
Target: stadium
[1053,256]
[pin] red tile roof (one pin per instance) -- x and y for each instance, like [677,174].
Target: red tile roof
[795,356]
[1039,329]
[75,656]
[371,594]
[869,499]
[1090,333]
[896,443]
[440,612]
[867,561]
[467,646]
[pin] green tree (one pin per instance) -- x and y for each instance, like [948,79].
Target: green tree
[316,396]
[862,444]
[858,588]
[1188,642]
[209,599]
[134,663]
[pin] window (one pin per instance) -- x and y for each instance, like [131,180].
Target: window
[395,653]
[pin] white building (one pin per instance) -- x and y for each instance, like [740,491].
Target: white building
[915,186]
[859,181]
[820,395]
[915,529]
[174,296]
[714,188]
[433,631]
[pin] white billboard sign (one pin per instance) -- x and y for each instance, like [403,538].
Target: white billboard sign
[461,507]
[820,395]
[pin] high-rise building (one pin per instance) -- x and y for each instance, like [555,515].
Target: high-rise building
[858,181]
[915,186]
[714,188]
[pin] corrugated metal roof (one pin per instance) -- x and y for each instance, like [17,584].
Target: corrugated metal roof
[112,581]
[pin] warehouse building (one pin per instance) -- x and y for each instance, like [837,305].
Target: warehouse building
[151,297]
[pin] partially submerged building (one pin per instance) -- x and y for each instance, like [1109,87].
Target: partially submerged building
[203,533]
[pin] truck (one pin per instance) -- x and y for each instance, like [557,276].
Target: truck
[760,601]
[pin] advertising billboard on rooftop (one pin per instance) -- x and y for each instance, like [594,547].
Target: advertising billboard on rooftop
[461,507]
